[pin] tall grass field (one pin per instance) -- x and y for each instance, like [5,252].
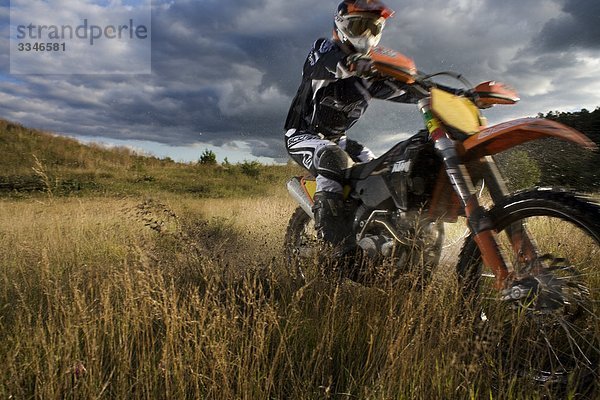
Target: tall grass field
[139,285]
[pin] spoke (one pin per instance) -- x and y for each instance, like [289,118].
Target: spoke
[550,348]
[591,345]
[573,342]
[554,330]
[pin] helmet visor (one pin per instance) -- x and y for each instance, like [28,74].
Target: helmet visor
[360,25]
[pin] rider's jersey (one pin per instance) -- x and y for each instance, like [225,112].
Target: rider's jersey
[330,98]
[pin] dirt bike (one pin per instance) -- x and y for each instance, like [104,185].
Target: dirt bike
[531,262]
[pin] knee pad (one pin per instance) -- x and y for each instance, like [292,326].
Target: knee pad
[331,162]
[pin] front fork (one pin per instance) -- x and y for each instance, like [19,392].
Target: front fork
[477,218]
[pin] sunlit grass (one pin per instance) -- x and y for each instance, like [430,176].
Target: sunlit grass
[177,297]
[127,277]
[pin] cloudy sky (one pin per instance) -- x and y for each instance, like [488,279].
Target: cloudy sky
[223,72]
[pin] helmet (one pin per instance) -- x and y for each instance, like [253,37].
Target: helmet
[360,22]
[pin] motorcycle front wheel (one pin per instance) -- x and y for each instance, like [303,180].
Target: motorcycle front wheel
[553,333]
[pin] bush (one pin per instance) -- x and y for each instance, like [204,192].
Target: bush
[208,157]
[250,168]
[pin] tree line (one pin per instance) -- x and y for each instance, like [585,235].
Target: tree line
[552,162]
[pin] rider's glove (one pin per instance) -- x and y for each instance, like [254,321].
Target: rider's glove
[474,97]
[361,65]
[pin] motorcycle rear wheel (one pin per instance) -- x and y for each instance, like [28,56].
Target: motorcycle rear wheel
[416,259]
[301,246]
[554,335]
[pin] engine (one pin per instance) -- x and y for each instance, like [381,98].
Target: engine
[377,245]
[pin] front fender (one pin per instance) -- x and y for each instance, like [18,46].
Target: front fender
[498,138]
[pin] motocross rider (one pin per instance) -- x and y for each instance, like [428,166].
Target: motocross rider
[337,84]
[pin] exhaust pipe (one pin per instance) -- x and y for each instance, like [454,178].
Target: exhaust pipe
[299,195]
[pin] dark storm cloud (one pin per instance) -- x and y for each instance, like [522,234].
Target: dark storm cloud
[557,68]
[243,59]
[578,27]
[220,74]
[225,71]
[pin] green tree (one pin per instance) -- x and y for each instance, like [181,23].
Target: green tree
[519,169]
[208,157]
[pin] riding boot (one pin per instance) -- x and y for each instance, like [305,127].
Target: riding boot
[331,223]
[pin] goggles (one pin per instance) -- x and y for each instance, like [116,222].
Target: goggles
[359,25]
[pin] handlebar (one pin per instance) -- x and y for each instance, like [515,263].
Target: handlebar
[423,84]
[390,64]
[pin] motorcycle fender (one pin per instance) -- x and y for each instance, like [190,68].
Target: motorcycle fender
[310,188]
[498,138]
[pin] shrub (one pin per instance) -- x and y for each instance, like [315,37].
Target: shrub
[208,157]
[250,168]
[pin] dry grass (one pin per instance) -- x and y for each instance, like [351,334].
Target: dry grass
[186,298]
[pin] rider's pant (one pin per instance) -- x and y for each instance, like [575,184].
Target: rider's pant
[326,159]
